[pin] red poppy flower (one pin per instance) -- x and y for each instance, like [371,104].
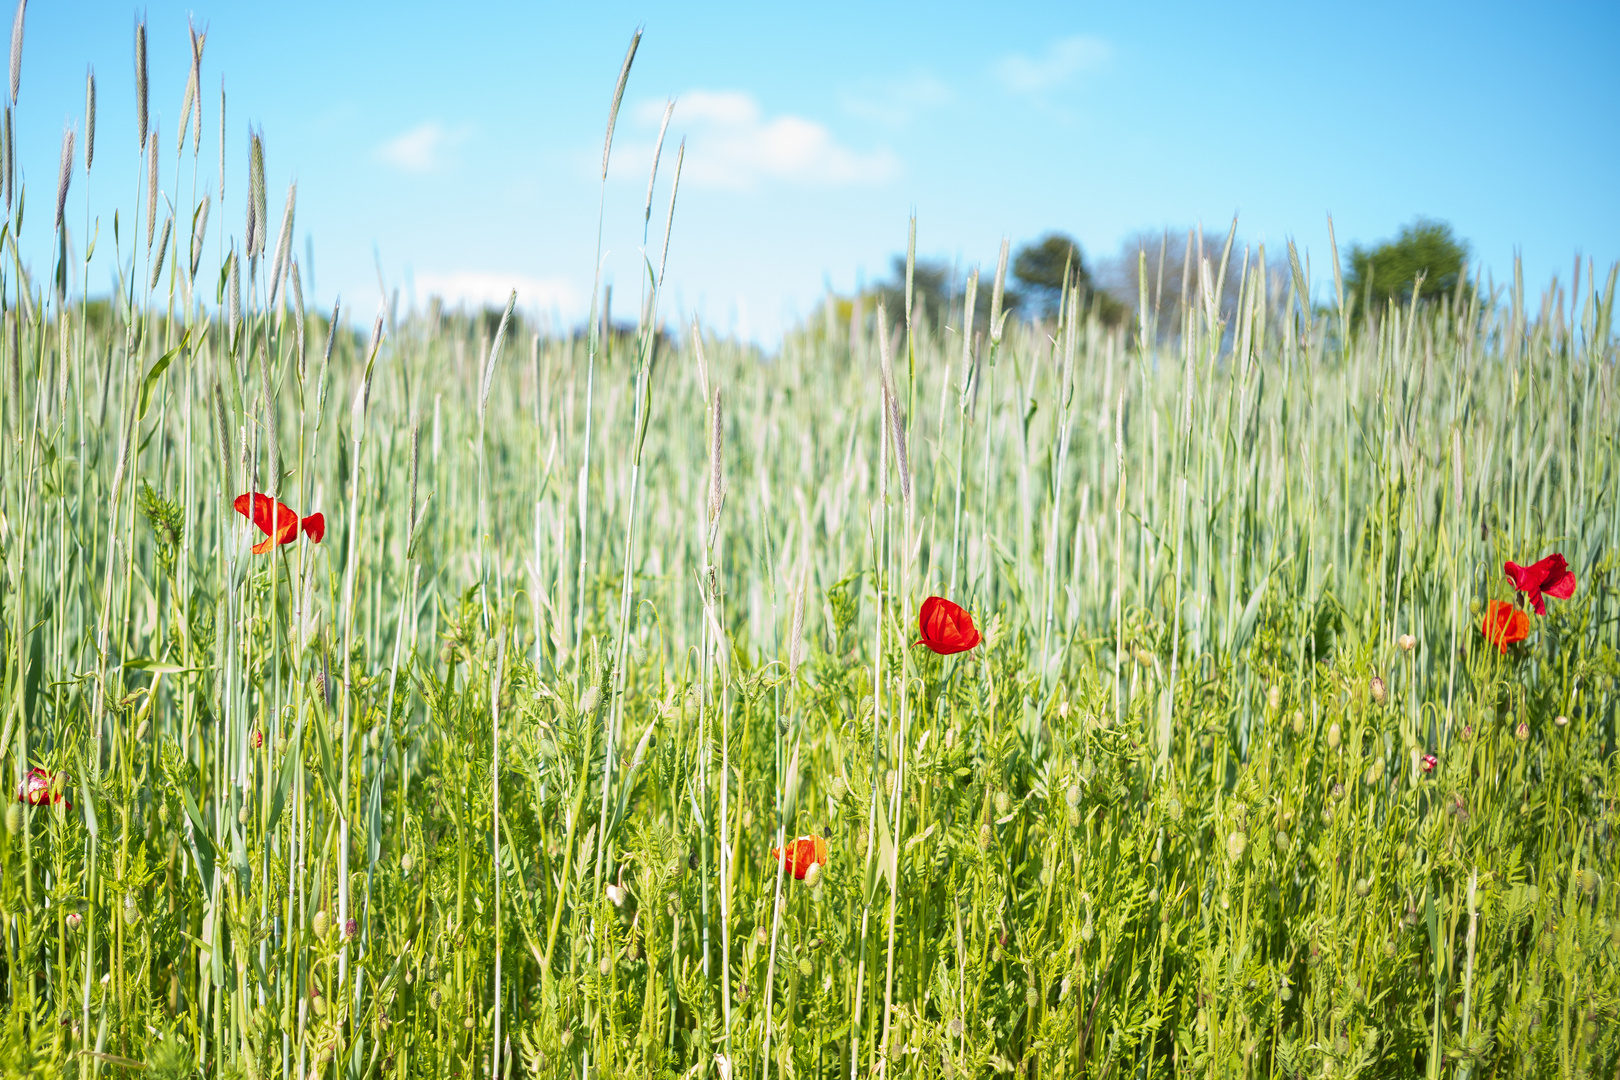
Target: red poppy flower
[1550,576]
[945,627]
[802,854]
[277,521]
[1504,624]
[36,789]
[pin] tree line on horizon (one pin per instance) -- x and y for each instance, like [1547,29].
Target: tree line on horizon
[1426,257]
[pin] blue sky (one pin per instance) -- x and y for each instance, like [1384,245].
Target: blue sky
[461,151]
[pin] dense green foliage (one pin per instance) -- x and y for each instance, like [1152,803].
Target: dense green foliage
[1425,260]
[492,774]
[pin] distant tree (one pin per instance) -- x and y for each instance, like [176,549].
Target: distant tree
[1040,268]
[938,292]
[1426,251]
[1174,259]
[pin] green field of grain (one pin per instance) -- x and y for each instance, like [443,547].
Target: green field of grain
[1262,766]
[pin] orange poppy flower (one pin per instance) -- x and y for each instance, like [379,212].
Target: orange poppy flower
[277,521]
[1504,624]
[946,627]
[802,854]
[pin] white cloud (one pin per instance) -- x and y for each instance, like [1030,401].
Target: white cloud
[423,148]
[732,144]
[488,288]
[896,102]
[1058,64]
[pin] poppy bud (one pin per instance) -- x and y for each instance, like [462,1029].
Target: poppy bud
[589,700]
[986,836]
[132,913]
[1235,845]
[15,818]
[1522,732]
[1588,881]
[73,920]
[1407,642]
[1561,720]
[1274,697]
[258,740]
[1375,772]
[243,817]
[812,875]
[1363,886]
[1337,791]
[320,924]
[468,1021]
[350,929]
[141,729]
[405,862]
[1375,688]
[805,968]
[1299,722]
[950,735]
[435,999]
[1467,732]
[1003,804]
[1429,762]
[888,782]
[760,935]
[1334,736]
[615,894]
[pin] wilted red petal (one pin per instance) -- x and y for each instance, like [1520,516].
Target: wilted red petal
[946,627]
[35,789]
[315,527]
